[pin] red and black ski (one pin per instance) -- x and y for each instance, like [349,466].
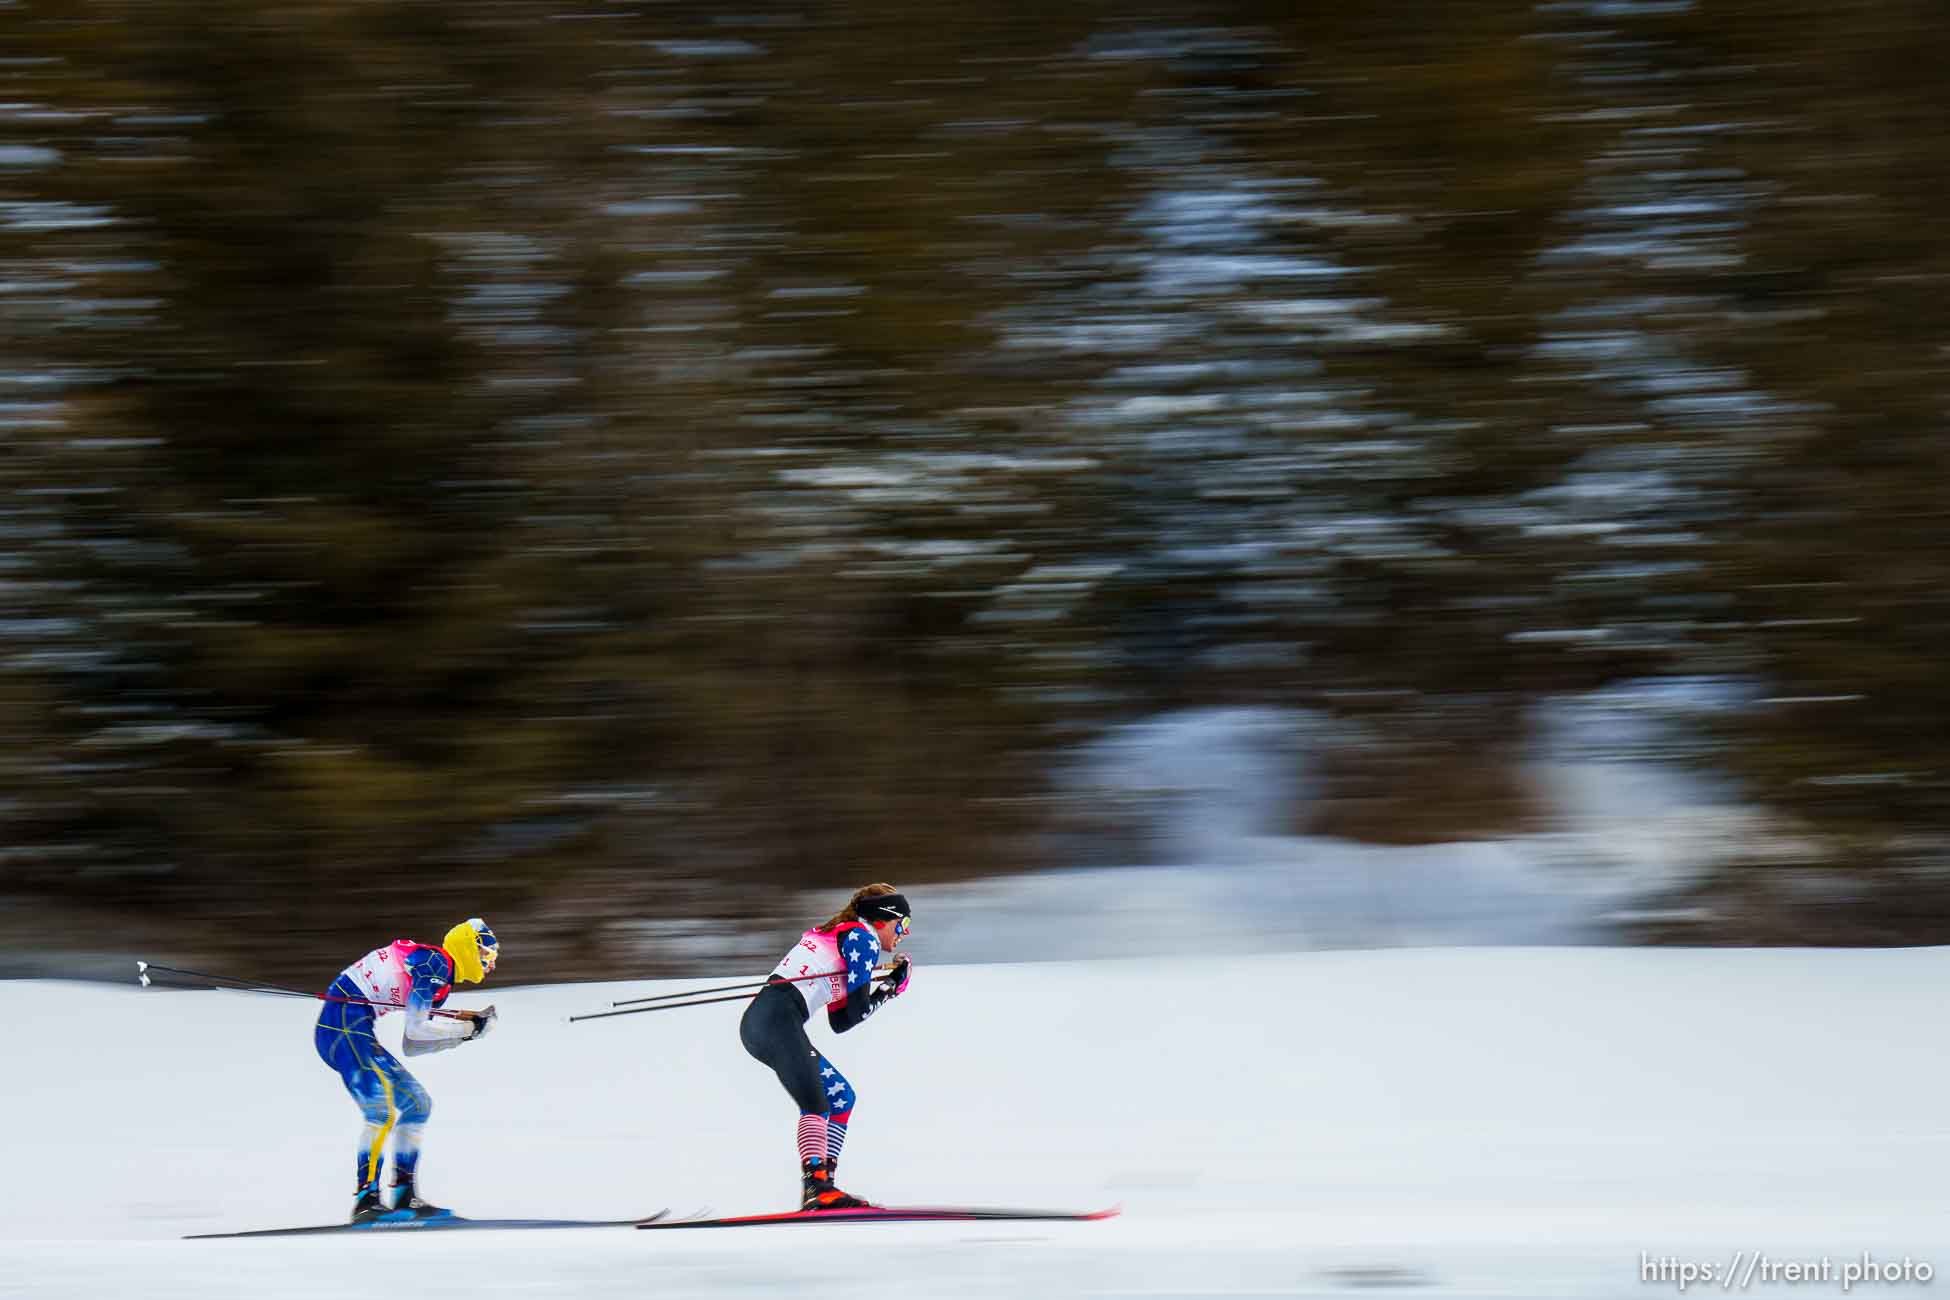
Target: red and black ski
[889,1214]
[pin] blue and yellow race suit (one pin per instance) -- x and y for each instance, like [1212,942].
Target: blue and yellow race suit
[405,976]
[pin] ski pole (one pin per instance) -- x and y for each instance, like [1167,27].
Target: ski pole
[751,991]
[237,984]
[727,988]
[668,1006]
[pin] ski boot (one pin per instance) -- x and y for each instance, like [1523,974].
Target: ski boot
[816,1190]
[408,1205]
[367,1207]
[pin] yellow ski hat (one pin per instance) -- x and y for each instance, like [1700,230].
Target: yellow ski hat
[473,948]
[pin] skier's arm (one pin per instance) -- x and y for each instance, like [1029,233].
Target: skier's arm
[426,1032]
[861,950]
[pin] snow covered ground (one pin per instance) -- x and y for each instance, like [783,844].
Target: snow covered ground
[1462,1122]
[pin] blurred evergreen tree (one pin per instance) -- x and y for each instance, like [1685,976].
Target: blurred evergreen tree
[524,457]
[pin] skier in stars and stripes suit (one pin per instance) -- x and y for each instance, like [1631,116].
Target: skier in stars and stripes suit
[846,950]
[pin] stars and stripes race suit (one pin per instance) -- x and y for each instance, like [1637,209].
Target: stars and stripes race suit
[416,978]
[774,1031]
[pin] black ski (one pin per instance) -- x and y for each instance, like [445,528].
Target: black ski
[438,1223]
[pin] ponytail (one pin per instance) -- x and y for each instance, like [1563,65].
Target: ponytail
[851,912]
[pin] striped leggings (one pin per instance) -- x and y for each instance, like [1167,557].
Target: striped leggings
[774,1033]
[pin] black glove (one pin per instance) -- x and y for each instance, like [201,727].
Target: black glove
[894,982]
[482,1020]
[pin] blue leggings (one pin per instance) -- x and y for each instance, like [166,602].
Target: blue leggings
[391,1099]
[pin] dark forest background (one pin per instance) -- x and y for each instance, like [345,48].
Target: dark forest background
[599,460]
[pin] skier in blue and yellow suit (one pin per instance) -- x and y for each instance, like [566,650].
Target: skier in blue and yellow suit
[415,977]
